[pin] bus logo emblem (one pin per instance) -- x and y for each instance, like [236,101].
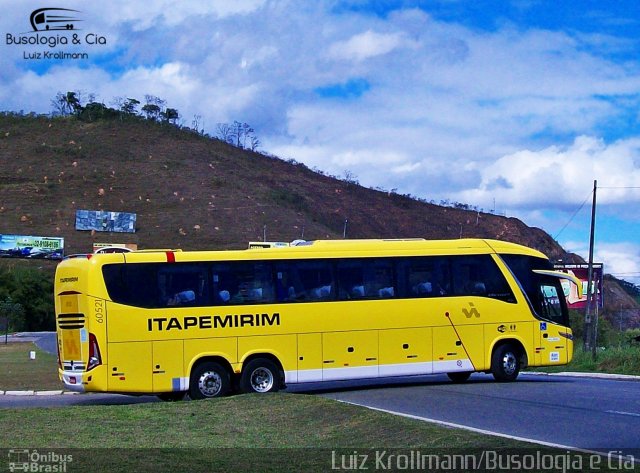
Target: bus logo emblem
[470,313]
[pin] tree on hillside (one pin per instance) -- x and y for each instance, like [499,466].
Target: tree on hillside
[97,111]
[73,102]
[129,106]
[170,115]
[151,111]
[66,104]
[59,105]
[225,133]
[154,107]
[254,142]
[196,124]
[238,134]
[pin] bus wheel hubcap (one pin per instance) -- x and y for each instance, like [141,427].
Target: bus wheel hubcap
[261,380]
[210,383]
[509,363]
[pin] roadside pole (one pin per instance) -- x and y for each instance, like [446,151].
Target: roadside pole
[590,325]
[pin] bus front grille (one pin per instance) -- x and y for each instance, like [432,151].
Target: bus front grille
[70,321]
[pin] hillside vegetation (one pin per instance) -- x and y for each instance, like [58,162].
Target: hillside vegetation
[194,192]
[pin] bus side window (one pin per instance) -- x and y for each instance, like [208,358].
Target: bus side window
[183,284]
[133,284]
[478,275]
[351,280]
[289,287]
[304,281]
[243,282]
[379,279]
[371,278]
[426,276]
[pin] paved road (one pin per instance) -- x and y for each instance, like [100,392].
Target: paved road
[48,342]
[593,414]
[92,399]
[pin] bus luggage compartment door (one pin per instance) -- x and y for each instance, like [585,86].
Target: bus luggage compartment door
[129,367]
[167,366]
[406,351]
[348,355]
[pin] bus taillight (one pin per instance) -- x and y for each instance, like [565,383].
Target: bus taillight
[94,353]
[59,359]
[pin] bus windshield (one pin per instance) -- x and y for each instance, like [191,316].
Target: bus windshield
[542,291]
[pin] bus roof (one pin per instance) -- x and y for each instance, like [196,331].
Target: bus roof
[328,249]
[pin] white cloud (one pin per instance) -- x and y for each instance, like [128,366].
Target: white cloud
[622,260]
[562,176]
[151,13]
[365,45]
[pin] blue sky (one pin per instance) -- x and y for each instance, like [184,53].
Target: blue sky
[516,106]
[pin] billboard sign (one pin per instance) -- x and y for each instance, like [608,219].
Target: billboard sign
[102,221]
[28,246]
[581,271]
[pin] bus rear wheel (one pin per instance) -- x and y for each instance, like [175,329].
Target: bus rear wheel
[459,376]
[505,363]
[208,379]
[260,376]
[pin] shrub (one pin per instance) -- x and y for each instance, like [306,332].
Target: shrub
[32,291]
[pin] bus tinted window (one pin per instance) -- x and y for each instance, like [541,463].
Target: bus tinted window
[426,276]
[478,275]
[366,279]
[153,285]
[305,281]
[242,282]
[522,268]
[183,284]
[133,284]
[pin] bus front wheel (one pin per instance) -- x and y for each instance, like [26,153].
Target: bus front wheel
[260,376]
[208,379]
[505,363]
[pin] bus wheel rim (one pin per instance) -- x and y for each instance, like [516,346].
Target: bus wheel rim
[509,363]
[262,380]
[210,383]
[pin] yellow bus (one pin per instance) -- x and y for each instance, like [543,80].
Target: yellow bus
[208,323]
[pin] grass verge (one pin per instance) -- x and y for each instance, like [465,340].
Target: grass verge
[277,432]
[18,372]
[615,360]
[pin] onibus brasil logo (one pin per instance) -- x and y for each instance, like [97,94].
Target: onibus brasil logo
[52,28]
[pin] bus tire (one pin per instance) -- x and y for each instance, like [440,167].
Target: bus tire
[260,376]
[208,380]
[505,363]
[459,376]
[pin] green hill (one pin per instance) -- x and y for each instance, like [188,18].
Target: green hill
[193,192]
